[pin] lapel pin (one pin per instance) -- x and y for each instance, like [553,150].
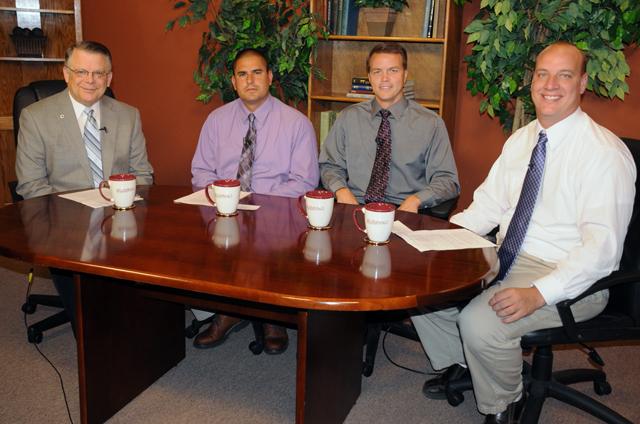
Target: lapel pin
[62,116]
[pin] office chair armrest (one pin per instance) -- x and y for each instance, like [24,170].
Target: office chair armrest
[564,307]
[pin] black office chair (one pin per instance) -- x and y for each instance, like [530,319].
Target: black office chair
[619,321]
[395,322]
[36,91]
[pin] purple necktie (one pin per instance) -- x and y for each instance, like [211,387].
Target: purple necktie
[524,209]
[382,164]
[246,158]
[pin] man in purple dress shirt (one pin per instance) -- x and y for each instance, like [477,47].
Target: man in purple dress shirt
[284,161]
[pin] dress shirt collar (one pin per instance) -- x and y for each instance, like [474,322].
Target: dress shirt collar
[260,113]
[561,130]
[397,109]
[78,108]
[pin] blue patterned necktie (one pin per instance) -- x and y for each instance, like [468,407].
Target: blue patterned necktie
[382,163]
[524,209]
[91,139]
[246,159]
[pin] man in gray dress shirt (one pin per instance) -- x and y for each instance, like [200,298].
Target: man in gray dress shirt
[421,172]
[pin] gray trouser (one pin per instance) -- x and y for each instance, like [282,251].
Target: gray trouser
[477,337]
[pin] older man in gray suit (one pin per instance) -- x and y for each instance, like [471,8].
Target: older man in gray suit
[53,151]
[78,137]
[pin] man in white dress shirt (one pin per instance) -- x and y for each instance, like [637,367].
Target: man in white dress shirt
[573,236]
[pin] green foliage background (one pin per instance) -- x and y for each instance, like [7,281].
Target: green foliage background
[508,34]
[284,29]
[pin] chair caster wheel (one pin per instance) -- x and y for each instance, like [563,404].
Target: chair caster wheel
[454,398]
[34,336]
[28,308]
[367,370]
[256,348]
[601,388]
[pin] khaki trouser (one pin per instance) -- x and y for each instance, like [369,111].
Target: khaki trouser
[477,337]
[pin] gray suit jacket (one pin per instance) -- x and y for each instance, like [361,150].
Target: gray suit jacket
[51,155]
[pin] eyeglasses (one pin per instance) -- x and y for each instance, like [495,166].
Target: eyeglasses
[83,73]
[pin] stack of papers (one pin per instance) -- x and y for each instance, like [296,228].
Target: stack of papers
[425,240]
[200,199]
[92,198]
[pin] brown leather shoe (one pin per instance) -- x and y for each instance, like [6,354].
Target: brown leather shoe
[219,330]
[276,339]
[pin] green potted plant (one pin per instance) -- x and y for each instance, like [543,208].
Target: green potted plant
[380,15]
[507,35]
[284,29]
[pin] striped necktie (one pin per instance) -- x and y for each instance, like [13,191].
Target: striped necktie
[246,159]
[524,209]
[382,163]
[91,139]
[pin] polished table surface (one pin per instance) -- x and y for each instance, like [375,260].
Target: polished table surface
[263,263]
[267,255]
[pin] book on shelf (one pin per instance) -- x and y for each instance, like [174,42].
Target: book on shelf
[427,25]
[434,18]
[361,86]
[360,95]
[349,17]
[327,118]
[360,80]
[365,91]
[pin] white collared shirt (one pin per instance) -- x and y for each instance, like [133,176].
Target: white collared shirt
[78,109]
[583,209]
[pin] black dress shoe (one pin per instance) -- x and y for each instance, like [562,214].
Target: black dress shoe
[276,339]
[509,416]
[435,388]
[218,331]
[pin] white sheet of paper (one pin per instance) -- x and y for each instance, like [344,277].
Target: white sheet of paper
[198,198]
[425,240]
[92,197]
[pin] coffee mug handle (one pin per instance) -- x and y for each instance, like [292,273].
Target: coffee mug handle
[355,219]
[300,207]
[100,187]
[206,193]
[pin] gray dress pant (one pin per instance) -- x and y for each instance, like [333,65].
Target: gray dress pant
[476,336]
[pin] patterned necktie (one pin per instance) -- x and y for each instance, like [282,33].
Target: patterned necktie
[524,209]
[91,139]
[382,164]
[246,159]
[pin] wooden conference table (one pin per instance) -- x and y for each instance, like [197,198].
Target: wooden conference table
[134,271]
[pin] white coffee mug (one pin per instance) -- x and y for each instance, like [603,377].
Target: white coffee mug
[227,196]
[317,208]
[376,262]
[226,232]
[123,190]
[378,220]
[317,246]
[123,225]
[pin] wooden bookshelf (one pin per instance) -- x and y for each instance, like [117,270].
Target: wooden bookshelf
[61,22]
[432,62]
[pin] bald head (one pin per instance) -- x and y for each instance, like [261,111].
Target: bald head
[566,48]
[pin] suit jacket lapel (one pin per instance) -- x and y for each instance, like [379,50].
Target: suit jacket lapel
[109,121]
[72,131]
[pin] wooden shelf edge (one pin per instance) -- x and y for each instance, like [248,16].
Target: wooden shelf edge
[6,123]
[430,104]
[26,9]
[31,59]
[381,38]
